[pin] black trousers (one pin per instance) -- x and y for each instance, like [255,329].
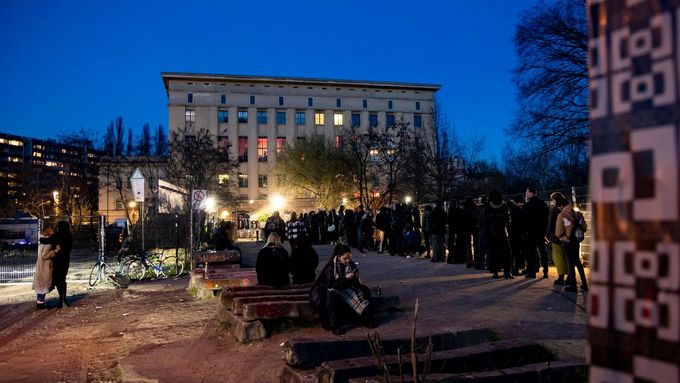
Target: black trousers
[535,247]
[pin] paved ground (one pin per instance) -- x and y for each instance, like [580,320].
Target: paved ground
[154,332]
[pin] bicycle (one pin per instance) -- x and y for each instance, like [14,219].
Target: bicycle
[142,265]
[102,268]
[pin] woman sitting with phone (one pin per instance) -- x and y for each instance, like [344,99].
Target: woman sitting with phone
[339,295]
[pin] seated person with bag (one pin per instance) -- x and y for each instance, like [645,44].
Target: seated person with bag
[339,295]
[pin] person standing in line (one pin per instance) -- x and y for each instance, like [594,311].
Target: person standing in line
[438,232]
[303,261]
[470,231]
[427,230]
[536,224]
[558,200]
[42,279]
[564,230]
[63,245]
[481,243]
[516,233]
[332,227]
[496,219]
[342,225]
[382,222]
[456,242]
[357,225]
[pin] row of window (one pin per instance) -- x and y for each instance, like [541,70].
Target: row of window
[261,148]
[310,101]
[300,118]
[243,180]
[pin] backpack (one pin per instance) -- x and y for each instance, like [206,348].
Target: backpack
[578,233]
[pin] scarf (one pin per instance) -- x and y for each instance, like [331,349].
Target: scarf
[341,270]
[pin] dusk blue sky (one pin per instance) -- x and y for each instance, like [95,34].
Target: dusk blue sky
[67,65]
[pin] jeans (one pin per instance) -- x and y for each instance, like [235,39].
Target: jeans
[571,253]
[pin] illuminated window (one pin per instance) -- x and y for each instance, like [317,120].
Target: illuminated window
[262,149]
[222,178]
[262,180]
[319,118]
[373,152]
[337,119]
[189,115]
[417,121]
[373,120]
[243,116]
[3,141]
[280,145]
[281,118]
[300,118]
[356,119]
[242,180]
[50,163]
[243,149]
[261,116]
[223,116]
[37,154]
[15,143]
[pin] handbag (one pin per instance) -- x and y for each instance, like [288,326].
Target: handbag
[331,228]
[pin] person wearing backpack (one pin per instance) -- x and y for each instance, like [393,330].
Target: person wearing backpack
[570,228]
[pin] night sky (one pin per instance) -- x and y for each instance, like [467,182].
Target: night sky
[67,65]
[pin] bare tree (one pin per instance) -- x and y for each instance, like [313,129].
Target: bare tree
[109,140]
[120,131]
[144,148]
[161,142]
[552,77]
[130,145]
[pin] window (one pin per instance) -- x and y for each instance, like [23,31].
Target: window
[319,118]
[389,104]
[300,118]
[337,119]
[261,116]
[280,145]
[417,105]
[417,121]
[338,142]
[310,101]
[338,102]
[242,149]
[189,115]
[190,97]
[262,149]
[281,118]
[356,119]
[242,180]
[252,100]
[223,145]
[262,180]
[223,99]
[223,116]
[119,204]
[390,120]
[243,116]
[373,120]
[281,101]
[222,179]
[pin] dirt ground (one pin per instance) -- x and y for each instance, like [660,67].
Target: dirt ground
[155,332]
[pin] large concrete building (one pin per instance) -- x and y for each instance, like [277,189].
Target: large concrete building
[257,116]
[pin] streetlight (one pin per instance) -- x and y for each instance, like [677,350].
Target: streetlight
[132,204]
[408,199]
[344,200]
[210,204]
[277,202]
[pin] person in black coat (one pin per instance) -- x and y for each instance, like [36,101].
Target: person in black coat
[338,277]
[273,264]
[303,261]
[496,219]
[516,233]
[536,223]
[63,244]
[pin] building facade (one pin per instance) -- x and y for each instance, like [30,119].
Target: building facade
[255,117]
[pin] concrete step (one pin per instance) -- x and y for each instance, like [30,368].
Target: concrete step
[237,305]
[227,296]
[280,309]
[309,353]
[552,372]
[482,357]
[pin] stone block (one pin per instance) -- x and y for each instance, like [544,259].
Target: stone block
[294,375]
[227,296]
[282,309]
[237,305]
[244,331]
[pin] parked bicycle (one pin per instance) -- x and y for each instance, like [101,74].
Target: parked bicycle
[158,265]
[102,269]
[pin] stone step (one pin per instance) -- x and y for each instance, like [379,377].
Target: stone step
[483,357]
[243,331]
[237,305]
[280,309]
[227,296]
[304,286]
[309,353]
[553,372]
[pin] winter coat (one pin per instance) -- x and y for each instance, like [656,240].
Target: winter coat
[438,221]
[272,267]
[536,217]
[303,263]
[565,223]
[42,280]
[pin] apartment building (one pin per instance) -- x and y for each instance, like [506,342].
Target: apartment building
[256,116]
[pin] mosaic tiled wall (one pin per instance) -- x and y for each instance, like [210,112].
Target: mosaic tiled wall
[634,53]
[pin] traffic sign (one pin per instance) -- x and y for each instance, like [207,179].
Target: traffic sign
[197,197]
[137,182]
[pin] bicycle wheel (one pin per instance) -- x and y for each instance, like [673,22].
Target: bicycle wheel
[95,274]
[172,266]
[135,269]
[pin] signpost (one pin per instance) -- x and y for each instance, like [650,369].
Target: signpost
[137,182]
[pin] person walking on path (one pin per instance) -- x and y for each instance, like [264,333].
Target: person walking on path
[496,219]
[63,244]
[339,295]
[273,263]
[536,224]
[564,230]
[438,232]
[42,280]
[559,259]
